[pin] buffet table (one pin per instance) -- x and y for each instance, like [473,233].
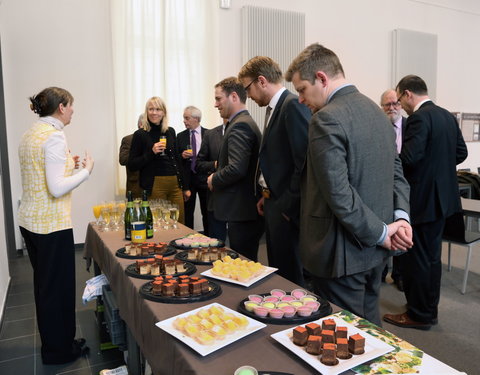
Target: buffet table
[167,355]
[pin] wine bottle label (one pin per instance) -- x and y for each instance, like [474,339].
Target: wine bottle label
[139,231]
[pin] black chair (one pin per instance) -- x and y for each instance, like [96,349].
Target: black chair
[456,234]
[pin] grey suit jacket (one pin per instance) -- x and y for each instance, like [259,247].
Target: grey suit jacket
[352,182]
[234,181]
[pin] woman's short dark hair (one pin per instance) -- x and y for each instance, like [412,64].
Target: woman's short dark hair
[46,102]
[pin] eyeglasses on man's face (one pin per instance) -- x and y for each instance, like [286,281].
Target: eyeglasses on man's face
[401,95]
[391,104]
[248,86]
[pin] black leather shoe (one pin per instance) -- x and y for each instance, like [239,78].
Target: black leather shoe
[76,352]
[80,342]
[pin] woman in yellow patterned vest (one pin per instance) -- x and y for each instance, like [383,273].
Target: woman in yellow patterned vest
[45,223]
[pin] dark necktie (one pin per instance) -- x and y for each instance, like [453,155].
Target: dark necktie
[194,151]
[267,116]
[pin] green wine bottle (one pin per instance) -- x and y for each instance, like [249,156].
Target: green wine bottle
[128,217]
[147,212]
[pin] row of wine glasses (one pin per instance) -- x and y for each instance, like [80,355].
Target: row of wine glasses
[109,215]
[165,213]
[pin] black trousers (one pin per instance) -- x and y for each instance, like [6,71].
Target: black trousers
[53,261]
[357,293]
[282,243]
[244,237]
[422,271]
[216,228]
[196,188]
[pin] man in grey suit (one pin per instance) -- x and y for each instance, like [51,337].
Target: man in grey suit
[234,184]
[392,108]
[206,164]
[352,185]
[282,155]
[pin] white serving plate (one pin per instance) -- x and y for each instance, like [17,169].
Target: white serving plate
[267,271]
[373,348]
[167,326]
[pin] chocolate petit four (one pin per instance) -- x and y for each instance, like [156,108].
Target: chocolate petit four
[328,336]
[168,289]
[342,348]
[313,329]
[329,355]
[300,336]
[183,290]
[341,332]
[329,324]
[157,287]
[314,345]
[356,344]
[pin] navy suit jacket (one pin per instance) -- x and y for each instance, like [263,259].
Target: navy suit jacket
[432,148]
[183,140]
[283,152]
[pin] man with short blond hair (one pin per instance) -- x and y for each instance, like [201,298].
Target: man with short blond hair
[281,159]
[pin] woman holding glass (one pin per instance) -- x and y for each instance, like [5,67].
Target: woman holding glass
[153,153]
[45,223]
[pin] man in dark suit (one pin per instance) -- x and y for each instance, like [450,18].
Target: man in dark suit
[352,186]
[432,148]
[282,155]
[234,183]
[189,142]
[206,164]
[133,183]
[393,110]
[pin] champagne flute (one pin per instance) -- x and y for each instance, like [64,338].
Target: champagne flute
[163,142]
[106,217]
[174,212]
[165,216]
[97,211]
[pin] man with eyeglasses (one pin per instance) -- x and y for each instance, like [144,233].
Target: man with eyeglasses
[392,108]
[432,148]
[281,159]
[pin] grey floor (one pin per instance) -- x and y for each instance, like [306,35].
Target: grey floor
[19,338]
[453,341]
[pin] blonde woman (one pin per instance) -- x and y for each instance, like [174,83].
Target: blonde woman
[45,223]
[158,162]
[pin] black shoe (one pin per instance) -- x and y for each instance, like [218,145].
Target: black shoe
[79,342]
[76,352]
[399,284]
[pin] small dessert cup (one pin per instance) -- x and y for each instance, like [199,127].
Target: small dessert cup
[315,305]
[296,303]
[246,370]
[287,298]
[288,311]
[299,293]
[304,311]
[268,305]
[260,311]
[278,293]
[250,305]
[276,313]
[273,299]
[255,298]
[308,297]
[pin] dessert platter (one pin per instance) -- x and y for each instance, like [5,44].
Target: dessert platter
[210,327]
[238,271]
[331,345]
[182,289]
[205,255]
[159,266]
[280,307]
[196,240]
[145,250]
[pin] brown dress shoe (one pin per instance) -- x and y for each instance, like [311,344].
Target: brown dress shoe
[404,321]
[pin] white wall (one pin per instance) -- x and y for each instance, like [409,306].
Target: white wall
[67,43]
[62,43]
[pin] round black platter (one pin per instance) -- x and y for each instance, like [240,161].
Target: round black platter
[172,243]
[146,292]
[131,270]
[324,310]
[183,255]
[121,253]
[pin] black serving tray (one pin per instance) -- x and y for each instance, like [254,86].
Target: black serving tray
[324,310]
[131,270]
[121,253]
[146,292]
[183,255]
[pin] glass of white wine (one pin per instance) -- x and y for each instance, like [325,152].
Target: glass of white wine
[106,210]
[174,213]
[165,217]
